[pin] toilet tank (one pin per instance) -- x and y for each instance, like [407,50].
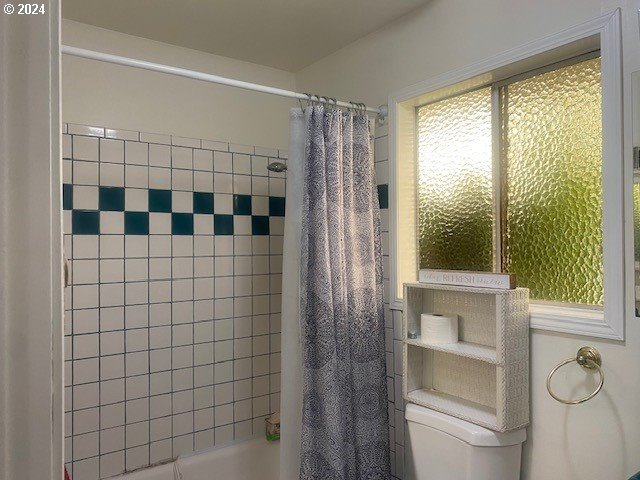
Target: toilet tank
[441,447]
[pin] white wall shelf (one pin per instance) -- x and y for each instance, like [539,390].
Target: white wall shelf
[479,414]
[484,378]
[464,349]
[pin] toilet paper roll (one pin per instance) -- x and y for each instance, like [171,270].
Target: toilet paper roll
[437,328]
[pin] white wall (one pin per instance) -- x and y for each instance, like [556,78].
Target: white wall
[30,251]
[98,93]
[596,440]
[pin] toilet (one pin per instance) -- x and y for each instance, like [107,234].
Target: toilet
[441,447]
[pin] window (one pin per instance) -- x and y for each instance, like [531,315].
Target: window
[530,205]
[516,164]
[455,185]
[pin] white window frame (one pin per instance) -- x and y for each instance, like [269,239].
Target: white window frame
[602,33]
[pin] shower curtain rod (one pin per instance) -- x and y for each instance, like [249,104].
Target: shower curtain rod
[207,77]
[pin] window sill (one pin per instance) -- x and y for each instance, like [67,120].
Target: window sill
[572,320]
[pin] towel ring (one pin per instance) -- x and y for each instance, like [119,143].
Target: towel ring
[587,357]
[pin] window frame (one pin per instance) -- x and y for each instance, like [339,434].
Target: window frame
[603,34]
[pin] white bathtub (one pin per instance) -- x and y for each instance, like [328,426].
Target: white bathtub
[254,459]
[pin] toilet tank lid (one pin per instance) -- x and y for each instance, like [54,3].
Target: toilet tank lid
[465,431]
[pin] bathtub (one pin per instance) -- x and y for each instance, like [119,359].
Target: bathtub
[255,459]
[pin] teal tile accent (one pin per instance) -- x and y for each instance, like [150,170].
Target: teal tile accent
[202,202]
[160,201]
[182,223]
[136,223]
[111,199]
[383,195]
[276,206]
[242,204]
[259,225]
[67,196]
[85,222]
[223,224]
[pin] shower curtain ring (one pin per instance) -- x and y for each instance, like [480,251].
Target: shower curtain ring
[308,95]
[308,100]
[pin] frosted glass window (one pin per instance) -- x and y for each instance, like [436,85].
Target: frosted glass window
[454,183]
[544,223]
[552,136]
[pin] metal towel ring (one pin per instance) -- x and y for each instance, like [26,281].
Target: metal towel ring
[587,357]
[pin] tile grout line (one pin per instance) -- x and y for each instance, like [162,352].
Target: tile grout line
[193,296]
[124,307]
[171,300]
[73,320]
[252,302]
[99,326]
[149,305]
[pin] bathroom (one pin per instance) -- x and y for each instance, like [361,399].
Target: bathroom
[154,174]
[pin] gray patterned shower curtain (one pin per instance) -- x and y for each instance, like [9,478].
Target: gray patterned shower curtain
[345,427]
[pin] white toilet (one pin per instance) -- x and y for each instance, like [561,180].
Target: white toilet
[441,447]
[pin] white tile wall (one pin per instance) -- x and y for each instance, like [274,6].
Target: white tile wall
[172,342]
[393,322]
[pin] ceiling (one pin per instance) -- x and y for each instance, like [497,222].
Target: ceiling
[285,34]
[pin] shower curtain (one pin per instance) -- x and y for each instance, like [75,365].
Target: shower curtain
[334,403]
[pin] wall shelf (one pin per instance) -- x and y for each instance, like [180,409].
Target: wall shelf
[484,378]
[480,414]
[464,349]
